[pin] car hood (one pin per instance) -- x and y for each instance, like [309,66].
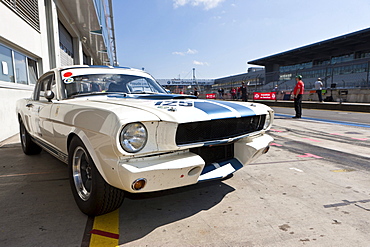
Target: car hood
[180,109]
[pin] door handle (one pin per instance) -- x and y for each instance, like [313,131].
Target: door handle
[29,105]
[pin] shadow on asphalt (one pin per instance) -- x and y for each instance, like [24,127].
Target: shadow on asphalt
[141,214]
[37,199]
[38,208]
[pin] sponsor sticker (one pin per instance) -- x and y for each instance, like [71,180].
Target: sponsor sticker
[68,80]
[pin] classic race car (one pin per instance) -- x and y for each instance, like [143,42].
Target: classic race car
[120,131]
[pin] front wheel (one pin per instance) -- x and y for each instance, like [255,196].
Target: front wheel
[92,194]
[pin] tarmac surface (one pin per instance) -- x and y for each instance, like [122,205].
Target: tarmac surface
[335,106]
[311,189]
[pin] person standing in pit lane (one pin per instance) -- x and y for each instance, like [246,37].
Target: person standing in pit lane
[318,87]
[196,92]
[244,91]
[221,93]
[297,94]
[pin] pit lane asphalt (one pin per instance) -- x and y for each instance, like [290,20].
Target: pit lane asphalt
[311,189]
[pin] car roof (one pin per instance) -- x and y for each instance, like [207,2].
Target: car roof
[99,67]
[92,66]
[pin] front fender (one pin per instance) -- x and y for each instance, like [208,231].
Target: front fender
[102,152]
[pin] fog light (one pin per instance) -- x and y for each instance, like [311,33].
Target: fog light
[138,184]
[194,171]
[266,149]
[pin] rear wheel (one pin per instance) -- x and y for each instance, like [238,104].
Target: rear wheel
[92,194]
[29,147]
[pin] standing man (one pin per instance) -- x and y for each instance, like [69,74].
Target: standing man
[196,92]
[298,93]
[233,93]
[244,91]
[221,93]
[318,87]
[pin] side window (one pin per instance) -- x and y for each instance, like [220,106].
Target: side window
[53,85]
[42,86]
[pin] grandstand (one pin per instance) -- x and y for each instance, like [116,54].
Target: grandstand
[342,62]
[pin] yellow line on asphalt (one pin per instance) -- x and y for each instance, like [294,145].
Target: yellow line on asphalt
[105,231]
[27,174]
[344,170]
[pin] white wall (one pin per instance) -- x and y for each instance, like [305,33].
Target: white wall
[17,31]
[41,46]
[18,35]
[8,117]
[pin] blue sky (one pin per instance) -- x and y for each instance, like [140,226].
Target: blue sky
[168,38]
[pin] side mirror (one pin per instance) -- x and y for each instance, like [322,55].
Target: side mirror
[49,95]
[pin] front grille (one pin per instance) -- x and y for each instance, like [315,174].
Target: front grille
[218,129]
[215,154]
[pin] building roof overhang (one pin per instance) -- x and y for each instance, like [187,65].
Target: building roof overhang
[348,43]
[83,16]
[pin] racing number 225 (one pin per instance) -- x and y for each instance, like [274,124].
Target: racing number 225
[174,103]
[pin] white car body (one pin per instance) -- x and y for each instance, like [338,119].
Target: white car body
[165,161]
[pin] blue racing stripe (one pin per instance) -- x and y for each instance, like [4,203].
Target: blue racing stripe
[233,162]
[243,110]
[213,109]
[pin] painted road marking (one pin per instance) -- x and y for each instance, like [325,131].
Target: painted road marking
[105,230]
[336,134]
[309,155]
[27,174]
[313,140]
[276,130]
[360,139]
[105,234]
[295,169]
[275,144]
[344,170]
[327,121]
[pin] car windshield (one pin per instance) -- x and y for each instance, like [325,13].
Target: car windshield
[82,85]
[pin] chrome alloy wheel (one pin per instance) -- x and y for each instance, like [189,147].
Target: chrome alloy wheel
[82,174]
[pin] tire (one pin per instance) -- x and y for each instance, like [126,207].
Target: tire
[29,147]
[93,195]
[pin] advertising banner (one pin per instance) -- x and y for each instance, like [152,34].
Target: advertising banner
[210,96]
[185,82]
[264,96]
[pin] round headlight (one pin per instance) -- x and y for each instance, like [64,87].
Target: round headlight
[133,137]
[267,121]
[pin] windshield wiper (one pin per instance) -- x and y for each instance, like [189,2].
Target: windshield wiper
[143,92]
[75,95]
[167,96]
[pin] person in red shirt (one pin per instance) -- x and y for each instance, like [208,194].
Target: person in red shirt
[297,94]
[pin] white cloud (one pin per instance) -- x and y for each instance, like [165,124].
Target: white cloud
[183,53]
[195,62]
[190,51]
[178,53]
[208,4]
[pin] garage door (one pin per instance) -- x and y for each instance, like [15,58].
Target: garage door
[66,46]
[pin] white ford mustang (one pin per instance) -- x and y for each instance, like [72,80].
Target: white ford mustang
[119,130]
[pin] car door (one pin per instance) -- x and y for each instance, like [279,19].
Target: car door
[40,121]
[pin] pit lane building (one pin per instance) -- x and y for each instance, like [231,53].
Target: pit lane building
[37,35]
[342,62]
[187,86]
[253,78]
